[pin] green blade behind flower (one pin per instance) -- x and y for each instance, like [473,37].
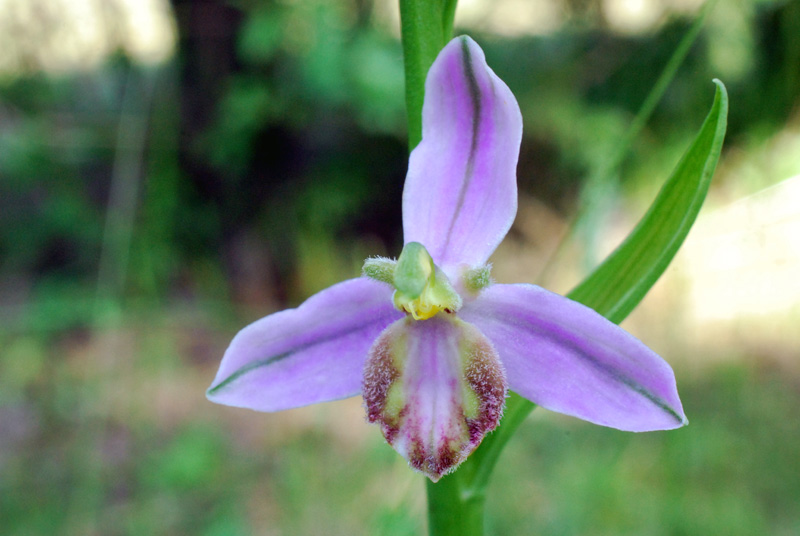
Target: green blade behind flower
[426,26]
[623,279]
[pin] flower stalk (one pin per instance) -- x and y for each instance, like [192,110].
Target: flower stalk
[426,27]
[454,508]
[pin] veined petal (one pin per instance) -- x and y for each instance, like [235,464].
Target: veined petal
[436,387]
[567,358]
[460,196]
[314,353]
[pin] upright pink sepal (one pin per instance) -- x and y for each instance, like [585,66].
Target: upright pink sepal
[460,196]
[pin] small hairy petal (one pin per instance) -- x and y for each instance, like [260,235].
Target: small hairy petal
[436,388]
[460,195]
[311,354]
[380,269]
[567,358]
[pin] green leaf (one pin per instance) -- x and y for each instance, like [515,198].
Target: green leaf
[623,279]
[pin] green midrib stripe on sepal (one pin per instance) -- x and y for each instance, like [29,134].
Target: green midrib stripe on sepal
[475,98]
[251,367]
[271,360]
[631,384]
[657,401]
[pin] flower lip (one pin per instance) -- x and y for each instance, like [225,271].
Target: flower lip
[436,388]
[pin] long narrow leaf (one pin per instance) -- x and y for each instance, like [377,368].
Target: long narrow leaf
[623,279]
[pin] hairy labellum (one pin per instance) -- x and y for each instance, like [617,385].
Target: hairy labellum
[436,387]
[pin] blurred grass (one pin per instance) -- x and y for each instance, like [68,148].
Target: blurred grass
[733,470]
[135,449]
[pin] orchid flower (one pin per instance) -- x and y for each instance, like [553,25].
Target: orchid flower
[429,341]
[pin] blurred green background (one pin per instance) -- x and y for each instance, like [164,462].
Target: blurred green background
[172,171]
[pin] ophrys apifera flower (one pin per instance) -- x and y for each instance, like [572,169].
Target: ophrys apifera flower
[429,340]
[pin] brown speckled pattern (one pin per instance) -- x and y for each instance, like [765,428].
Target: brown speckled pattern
[434,363]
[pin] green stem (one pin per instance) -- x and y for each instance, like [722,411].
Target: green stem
[448,16]
[426,27]
[486,455]
[455,509]
[456,503]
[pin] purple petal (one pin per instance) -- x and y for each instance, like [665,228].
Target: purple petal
[460,196]
[567,358]
[436,387]
[311,354]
